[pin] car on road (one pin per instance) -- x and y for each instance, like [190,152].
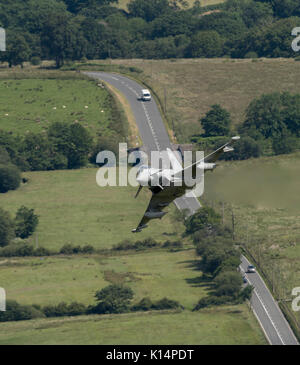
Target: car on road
[146,96]
[245,281]
[251,268]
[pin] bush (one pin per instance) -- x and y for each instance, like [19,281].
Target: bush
[69,249]
[23,249]
[35,61]
[166,303]
[172,244]
[205,218]
[144,304]
[63,309]
[212,300]
[10,178]
[113,299]
[251,54]
[25,222]
[137,245]
[228,283]
[246,293]
[88,249]
[4,156]
[17,312]
[42,251]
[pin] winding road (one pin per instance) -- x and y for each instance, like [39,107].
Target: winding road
[155,138]
[150,124]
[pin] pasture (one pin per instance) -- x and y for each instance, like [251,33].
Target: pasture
[222,326]
[31,105]
[73,209]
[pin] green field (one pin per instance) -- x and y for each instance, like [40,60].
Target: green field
[153,274]
[33,104]
[264,194]
[222,326]
[72,208]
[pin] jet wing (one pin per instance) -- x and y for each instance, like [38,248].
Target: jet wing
[211,158]
[158,202]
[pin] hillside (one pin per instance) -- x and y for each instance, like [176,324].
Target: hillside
[188,87]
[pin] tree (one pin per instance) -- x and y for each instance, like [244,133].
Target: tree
[148,10]
[75,6]
[6,228]
[71,140]
[61,39]
[205,218]
[216,122]
[229,25]
[10,178]
[286,143]
[41,154]
[228,283]
[17,50]
[273,116]
[245,148]
[206,44]
[25,222]
[212,258]
[103,143]
[4,156]
[114,299]
[12,144]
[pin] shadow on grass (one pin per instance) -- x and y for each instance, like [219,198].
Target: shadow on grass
[203,280]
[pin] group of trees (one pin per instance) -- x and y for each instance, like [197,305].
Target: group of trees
[114,298]
[22,226]
[220,258]
[271,127]
[63,146]
[72,30]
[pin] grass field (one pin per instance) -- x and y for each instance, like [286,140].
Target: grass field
[42,101]
[72,208]
[265,196]
[223,326]
[155,274]
[191,86]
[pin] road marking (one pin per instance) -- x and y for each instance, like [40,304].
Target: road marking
[276,304]
[151,127]
[265,308]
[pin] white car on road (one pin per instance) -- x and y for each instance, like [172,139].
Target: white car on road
[146,96]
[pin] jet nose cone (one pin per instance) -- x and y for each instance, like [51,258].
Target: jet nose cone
[142,179]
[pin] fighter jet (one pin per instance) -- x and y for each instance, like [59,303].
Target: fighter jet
[169,184]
